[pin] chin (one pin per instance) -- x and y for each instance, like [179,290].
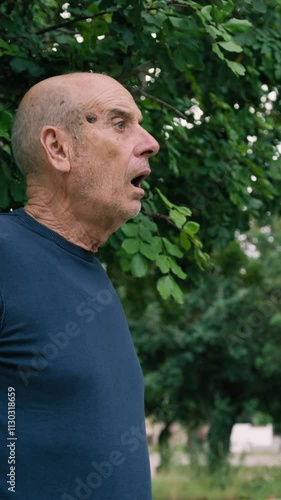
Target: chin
[124,216]
[134,212]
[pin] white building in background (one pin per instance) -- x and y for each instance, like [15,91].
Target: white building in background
[247,437]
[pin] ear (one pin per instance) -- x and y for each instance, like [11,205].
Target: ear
[56,144]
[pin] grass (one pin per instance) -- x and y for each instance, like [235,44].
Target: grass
[187,483]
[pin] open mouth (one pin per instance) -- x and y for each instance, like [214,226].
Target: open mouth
[138,180]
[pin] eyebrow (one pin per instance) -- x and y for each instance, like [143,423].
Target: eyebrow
[112,113]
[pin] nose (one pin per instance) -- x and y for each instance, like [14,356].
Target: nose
[146,146]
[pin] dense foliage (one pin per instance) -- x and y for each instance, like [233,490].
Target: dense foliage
[217,360]
[206,76]
[184,61]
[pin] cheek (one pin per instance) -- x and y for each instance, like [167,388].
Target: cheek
[115,164]
[112,153]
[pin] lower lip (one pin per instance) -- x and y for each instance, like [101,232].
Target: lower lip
[139,189]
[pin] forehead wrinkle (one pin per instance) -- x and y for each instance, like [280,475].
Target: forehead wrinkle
[100,106]
[116,112]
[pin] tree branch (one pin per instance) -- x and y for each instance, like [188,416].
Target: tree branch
[155,215]
[171,4]
[163,103]
[166,218]
[69,23]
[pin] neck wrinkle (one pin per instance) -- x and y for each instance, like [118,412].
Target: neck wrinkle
[63,222]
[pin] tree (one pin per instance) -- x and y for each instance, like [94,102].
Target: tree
[217,360]
[205,76]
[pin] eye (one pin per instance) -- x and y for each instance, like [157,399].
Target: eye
[120,125]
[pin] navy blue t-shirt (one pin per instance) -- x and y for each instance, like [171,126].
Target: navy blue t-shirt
[71,387]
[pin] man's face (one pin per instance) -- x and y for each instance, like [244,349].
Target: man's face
[110,159]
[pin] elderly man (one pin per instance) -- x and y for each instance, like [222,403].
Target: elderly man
[71,388]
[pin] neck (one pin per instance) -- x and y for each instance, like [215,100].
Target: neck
[56,213]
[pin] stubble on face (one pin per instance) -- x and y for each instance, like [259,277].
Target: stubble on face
[103,160]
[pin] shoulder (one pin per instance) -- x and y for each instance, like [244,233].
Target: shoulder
[12,242]
[7,218]
[9,229]
[14,237]
[6,229]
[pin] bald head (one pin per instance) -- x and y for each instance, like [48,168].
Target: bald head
[58,101]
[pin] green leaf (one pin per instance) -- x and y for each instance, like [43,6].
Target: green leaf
[130,246]
[5,135]
[275,320]
[93,9]
[5,122]
[179,23]
[174,208]
[145,233]
[165,286]
[237,68]
[4,45]
[184,210]
[114,241]
[100,27]
[179,58]
[164,199]
[237,25]
[17,191]
[7,147]
[202,258]
[147,222]
[220,13]
[163,263]
[189,3]
[184,241]
[192,227]
[149,251]
[177,293]
[8,48]
[130,229]
[214,32]
[206,12]
[139,266]
[156,242]
[4,194]
[128,37]
[145,185]
[19,65]
[172,249]
[178,218]
[156,18]
[6,171]
[125,263]
[255,203]
[226,8]
[176,269]
[217,51]
[260,6]
[230,46]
